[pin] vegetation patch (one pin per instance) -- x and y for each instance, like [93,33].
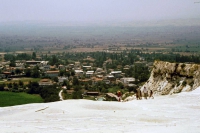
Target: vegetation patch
[184,83]
[183,65]
[11,98]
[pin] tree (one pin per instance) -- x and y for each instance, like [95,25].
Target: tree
[21,84]
[67,74]
[50,93]
[55,79]
[15,86]
[33,88]
[62,72]
[75,81]
[18,71]
[12,63]
[34,55]
[54,60]
[2,87]
[72,73]
[9,57]
[27,72]
[35,73]
[9,85]
[77,95]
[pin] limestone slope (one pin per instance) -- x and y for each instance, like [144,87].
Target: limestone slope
[169,78]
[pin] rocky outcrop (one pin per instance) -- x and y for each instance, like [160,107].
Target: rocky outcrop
[169,78]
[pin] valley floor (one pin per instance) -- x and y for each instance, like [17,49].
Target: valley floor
[178,113]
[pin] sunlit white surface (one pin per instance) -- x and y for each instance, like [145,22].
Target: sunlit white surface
[178,113]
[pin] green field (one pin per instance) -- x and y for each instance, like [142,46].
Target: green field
[11,98]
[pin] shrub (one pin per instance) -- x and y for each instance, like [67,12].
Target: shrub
[178,83]
[183,65]
[184,83]
[191,83]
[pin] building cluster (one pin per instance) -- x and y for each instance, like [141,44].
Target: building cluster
[84,73]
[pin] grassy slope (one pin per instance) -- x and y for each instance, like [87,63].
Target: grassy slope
[11,99]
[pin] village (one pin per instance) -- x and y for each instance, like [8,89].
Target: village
[91,82]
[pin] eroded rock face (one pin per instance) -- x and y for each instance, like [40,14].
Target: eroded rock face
[168,78]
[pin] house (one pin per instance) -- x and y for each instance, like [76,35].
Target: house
[92,93]
[78,72]
[116,74]
[43,63]
[53,67]
[45,82]
[127,81]
[111,78]
[62,79]
[70,66]
[86,67]
[89,74]
[77,65]
[126,67]
[99,76]
[39,63]
[61,67]
[34,63]
[52,73]
[99,71]
[46,67]
[7,74]
[19,63]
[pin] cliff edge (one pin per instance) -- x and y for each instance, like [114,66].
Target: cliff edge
[169,78]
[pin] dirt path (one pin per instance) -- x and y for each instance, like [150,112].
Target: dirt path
[60,95]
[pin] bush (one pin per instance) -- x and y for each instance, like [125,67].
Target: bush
[183,65]
[191,83]
[77,95]
[2,87]
[49,94]
[184,83]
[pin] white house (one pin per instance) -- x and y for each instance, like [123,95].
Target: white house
[86,67]
[127,81]
[89,73]
[116,74]
[79,72]
[62,79]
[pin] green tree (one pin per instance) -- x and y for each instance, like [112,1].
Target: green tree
[35,73]
[9,85]
[72,73]
[50,93]
[15,86]
[75,81]
[33,88]
[27,72]
[18,71]
[21,84]
[54,60]
[12,63]
[62,72]
[77,95]
[34,55]
[2,87]
[55,79]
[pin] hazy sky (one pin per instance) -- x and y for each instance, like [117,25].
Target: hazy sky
[97,10]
